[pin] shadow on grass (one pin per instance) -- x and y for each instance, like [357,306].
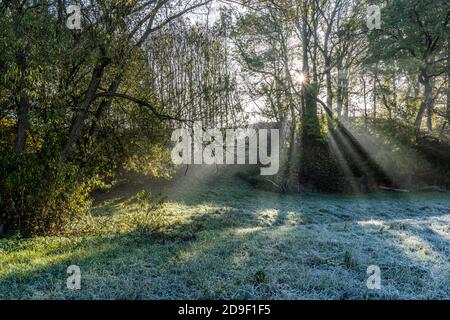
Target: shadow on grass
[229,260]
[251,245]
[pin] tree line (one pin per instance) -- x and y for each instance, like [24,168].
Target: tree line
[79,106]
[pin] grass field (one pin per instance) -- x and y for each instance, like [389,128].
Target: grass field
[224,240]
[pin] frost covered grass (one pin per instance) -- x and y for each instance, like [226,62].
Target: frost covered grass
[225,240]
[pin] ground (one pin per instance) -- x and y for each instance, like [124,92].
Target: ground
[225,240]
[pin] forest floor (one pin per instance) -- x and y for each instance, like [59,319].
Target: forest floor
[226,240]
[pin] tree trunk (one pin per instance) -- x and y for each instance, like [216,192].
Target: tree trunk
[365,101]
[424,79]
[430,110]
[78,122]
[310,142]
[22,122]
[346,98]
[103,108]
[61,11]
[340,93]
[329,86]
[448,82]
[375,76]
[23,104]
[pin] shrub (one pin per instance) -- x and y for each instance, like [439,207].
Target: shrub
[153,217]
[260,276]
[38,196]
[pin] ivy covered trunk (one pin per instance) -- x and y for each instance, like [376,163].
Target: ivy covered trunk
[314,153]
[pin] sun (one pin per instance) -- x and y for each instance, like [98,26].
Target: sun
[300,78]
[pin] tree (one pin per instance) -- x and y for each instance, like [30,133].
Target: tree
[414,34]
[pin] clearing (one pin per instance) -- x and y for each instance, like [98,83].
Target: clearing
[226,240]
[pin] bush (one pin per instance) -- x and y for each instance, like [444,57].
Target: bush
[38,196]
[153,217]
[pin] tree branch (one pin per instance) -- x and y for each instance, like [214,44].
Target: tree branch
[143,103]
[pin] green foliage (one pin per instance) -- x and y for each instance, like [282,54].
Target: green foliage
[51,66]
[260,276]
[409,28]
[318,169]
[349,262]
[411,162]
[39,197]
[153,217]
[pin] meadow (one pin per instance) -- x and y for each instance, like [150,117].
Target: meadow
[216,237]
